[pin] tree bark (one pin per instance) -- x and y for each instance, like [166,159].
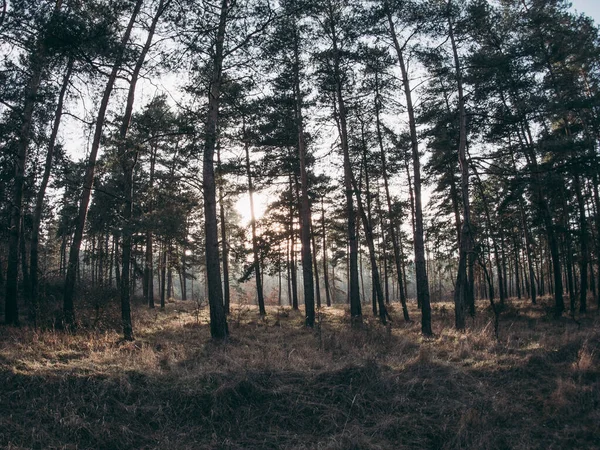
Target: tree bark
[149,266]
[38,64]
[128,157]
[583,237]
[292,265]
[419,244]
[218,319]
[255,249]
[462,292]
[325,268]
[305,213]
[39,202]
[315,268]
[69,288]
[354,294]
[224,243]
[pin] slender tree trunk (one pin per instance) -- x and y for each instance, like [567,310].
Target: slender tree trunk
[383,314]
[568,251]
[325,268]
[383,251]
[501,291]
[224,243]
[544,209]
[218,319]
[69,289]
[128,157]
[255,249]
[24,259]
[163,274]
[288,255]
[169,260]
[315,267]
[293,271]
[354,295]
[149,266]
[597,222]
[38,64]
[517,279]
[39,202]
[305,213]
[419,245]
[583,237]
[184,274]
[462,292]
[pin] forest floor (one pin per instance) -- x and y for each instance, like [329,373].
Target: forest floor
[275,384]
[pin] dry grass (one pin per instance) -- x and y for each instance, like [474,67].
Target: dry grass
[275,384]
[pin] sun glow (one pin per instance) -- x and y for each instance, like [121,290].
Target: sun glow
[242,206]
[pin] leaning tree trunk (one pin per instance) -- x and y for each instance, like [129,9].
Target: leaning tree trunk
[488,218]
[128,157]
[69,289]
[39,201]
[383,314]
[419,243]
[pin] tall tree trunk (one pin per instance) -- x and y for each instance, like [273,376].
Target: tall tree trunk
[24,260]
[501,291]
[305,213]
[163,274]
[315,267]
[69,288]
[293,271]
[288,255]
[255,249]
[462,292]
[568,251]
[383,251]
[419,245]
[526,141]
[224,243]
[383,314]
[516,254]
[38,63]
[149,263]
[128,157]
[39,201]
[183,272]
[583,237]
[355,306]
[218,319]
[325,268]
[597,223]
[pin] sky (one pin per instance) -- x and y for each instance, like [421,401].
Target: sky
[589,7]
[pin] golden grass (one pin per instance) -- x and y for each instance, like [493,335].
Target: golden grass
[275,384]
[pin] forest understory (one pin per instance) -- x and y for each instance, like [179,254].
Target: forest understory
[276,384]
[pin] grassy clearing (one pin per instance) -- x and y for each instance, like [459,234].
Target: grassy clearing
[275,384]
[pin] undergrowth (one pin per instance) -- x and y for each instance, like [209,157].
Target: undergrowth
[275,384]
